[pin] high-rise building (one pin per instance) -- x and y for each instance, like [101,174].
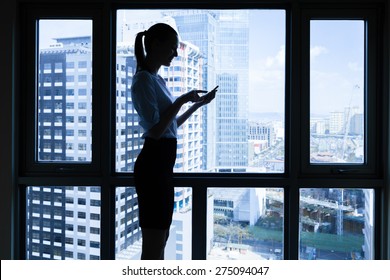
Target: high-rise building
[357,124]
[183,75]
[368,229]
[262,131]
[232,68]
[200,28]
[337,122]
[64,222]
[65,101]
[128,131]
[223,37]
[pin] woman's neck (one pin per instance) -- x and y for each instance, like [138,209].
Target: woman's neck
[151,65]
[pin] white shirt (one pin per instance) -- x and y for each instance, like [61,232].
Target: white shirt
[151,98]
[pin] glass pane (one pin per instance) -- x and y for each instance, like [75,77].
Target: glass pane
[128,233]
[245,223]
[337,116]
[336,224]
[63,223]
[64,96]
[242,51]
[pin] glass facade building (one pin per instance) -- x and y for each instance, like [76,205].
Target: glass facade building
[223,40]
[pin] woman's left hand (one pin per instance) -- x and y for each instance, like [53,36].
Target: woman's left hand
[207,98]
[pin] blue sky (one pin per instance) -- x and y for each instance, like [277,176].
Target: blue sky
[337,63]
[49,29]
[267,61]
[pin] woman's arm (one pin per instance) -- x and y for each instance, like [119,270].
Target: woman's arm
[183,117]
[166,119]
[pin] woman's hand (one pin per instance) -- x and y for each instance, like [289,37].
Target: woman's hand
[206,99]
[192,96]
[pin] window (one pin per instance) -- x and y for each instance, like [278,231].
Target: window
[60,221]
[283,164]
[128,232]
[336,223]
[246,69]
[337,106]
[82,64]
[55,51]
[247,223]
[82,78]
[339,135]
[60,54]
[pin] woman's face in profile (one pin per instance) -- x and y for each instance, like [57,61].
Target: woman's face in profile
[168,50]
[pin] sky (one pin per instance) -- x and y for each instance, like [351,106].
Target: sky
[337,63]
[336,59]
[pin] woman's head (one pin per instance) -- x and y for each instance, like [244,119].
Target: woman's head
[160,41]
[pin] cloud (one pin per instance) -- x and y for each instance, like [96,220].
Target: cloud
[269,70]
[317,50]
[277,60]
[332,91]
[267,82]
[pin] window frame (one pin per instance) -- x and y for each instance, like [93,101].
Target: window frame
[29,163]
[101,171]
[372,100]
[230,4]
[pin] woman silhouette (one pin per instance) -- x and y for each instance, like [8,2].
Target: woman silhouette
[158,110]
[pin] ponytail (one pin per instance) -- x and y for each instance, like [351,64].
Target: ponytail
[139,50]
[159,31]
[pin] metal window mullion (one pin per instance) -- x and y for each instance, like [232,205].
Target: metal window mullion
[293,133]
[199,222]
[103,31]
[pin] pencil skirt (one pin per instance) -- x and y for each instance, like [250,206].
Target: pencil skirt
[153,175]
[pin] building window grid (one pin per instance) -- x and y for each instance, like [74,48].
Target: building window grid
[366,183]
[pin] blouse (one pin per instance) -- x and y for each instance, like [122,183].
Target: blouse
[151,97]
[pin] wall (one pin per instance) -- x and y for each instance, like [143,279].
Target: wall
[7,18]
[387,201]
